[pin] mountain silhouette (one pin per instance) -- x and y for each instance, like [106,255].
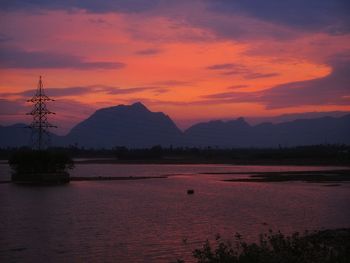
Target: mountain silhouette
[19,134]
[219,133]
[125,125]
[135,126]
[238,133]
[15,135]
[288,117]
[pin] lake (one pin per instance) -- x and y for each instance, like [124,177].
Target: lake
[155,220]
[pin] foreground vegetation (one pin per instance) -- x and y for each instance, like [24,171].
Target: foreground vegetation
[328,246]
[302,155]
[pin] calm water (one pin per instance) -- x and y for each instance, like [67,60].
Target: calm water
[154,220]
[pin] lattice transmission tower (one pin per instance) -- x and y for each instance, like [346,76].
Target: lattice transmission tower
[40,125]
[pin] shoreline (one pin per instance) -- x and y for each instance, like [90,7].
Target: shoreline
[327,176]
[252,162]
[222,162]
[96,178]
[120,178]
[334,177]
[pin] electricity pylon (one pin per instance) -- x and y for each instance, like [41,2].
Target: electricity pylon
[40,125]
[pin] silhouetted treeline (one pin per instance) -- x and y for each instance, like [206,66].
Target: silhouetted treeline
[317,154]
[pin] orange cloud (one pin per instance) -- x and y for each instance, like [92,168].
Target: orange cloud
[176,63]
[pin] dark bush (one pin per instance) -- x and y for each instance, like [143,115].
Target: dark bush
[329,246]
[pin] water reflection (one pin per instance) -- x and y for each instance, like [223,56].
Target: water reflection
[155,220]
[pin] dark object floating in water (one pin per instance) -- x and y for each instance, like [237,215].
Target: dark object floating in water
[190,191]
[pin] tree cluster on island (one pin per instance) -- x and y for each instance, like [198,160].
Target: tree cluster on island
[40,165]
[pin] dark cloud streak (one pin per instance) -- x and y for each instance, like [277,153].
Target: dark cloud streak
[330,16]
[222,66]
[237,69]
[261,75]
[79,91]
[17,58]
[148,52]
[173,83]
[93,6]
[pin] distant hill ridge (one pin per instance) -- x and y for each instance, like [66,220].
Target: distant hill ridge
[135,126]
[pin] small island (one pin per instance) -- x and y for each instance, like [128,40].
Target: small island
[40,167]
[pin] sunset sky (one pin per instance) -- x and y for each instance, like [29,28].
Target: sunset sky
[194,60]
